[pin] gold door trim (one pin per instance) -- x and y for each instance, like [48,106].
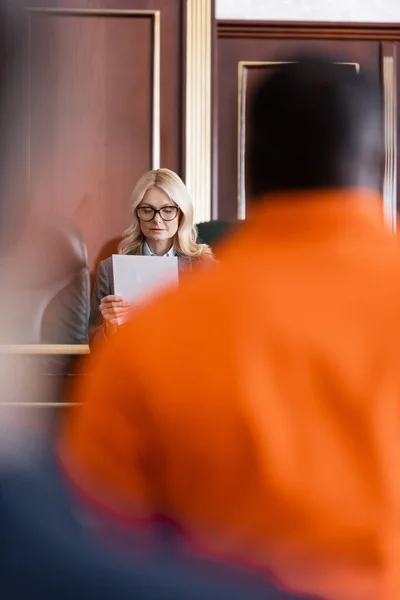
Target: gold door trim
[45,349]
[389,71]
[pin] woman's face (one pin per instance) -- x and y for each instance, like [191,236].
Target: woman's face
[158,229]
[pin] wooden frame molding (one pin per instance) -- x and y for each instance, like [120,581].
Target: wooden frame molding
[45,349]
[38,404]
[156,92]
[198,159]
[311,30]
[389,75]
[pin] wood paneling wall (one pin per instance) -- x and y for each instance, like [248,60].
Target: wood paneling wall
[105,87]
[244,50]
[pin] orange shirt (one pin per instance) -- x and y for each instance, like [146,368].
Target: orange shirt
[259,405]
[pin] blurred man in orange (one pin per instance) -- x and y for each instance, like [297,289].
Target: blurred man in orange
[258,406]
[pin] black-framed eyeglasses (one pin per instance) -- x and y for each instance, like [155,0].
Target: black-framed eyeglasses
[147,213]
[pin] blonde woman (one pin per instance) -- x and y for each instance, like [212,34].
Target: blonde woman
[162,225]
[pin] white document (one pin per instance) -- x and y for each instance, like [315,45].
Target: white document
[137,278]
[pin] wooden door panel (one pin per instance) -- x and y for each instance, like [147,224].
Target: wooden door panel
[237,79]
[90,133]
[105,89]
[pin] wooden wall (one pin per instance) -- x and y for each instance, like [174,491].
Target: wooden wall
[246,51]
[106,99]
[105,88]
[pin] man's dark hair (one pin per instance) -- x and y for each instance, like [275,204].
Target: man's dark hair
[314,123]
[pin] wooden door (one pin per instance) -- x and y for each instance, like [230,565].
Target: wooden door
[246,53]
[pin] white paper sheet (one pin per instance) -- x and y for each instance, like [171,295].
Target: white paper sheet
[137,278]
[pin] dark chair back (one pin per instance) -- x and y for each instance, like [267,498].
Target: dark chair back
[212,232]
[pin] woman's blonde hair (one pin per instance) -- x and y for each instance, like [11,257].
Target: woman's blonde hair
[185,240]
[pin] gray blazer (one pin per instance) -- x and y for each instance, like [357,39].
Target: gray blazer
[104,286]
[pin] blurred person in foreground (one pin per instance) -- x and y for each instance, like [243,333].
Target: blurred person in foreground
[269,432]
